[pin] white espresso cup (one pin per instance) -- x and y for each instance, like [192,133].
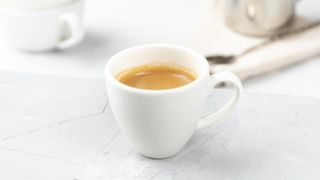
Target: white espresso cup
[42,26]
[159,123]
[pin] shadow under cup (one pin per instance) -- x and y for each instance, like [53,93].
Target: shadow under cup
[157,123]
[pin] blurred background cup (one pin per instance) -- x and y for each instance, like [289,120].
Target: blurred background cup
[41,25]
[258,17]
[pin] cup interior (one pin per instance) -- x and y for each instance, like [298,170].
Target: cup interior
[167,54]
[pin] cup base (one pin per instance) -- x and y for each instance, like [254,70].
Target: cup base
[160,156]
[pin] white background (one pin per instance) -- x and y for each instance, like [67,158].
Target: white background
[113,25]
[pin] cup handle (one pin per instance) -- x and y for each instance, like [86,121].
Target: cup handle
[74,31]
[221,114]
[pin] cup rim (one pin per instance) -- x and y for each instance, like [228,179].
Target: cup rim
[115,82]
[39,11]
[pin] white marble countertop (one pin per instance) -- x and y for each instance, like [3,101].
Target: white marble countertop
[117,24]
[56,127]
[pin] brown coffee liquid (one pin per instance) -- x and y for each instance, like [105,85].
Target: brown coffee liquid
[156,76]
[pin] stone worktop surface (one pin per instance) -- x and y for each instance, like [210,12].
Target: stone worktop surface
[55,127]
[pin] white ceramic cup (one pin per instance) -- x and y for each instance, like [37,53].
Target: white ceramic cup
[159,123]
[42,28]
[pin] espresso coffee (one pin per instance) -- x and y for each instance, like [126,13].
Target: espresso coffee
[156,76]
